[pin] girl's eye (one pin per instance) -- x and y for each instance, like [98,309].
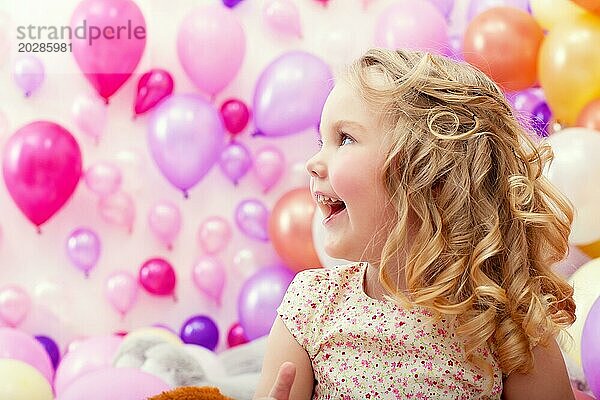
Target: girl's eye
[345,139]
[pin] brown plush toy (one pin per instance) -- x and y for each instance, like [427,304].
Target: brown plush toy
[192,393]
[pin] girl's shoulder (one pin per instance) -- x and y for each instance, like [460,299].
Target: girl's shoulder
[326,279]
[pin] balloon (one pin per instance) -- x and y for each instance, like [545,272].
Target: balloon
[236,335]
[252,216]
[551,13]
[214,234]
[14,305]
[504,42]
[590,116]
[283,17]
[231,3]
[28,73]
[211,45]
[590,348]
[590,5]
[157,276]
[121,291]
[83,249]
[18,345]
[152,87]
[259,298]
[164,220]
[290,229]
[51,348]
[103,178]
[575,171]
[42,166]
[476,7]
[235,161]
[541,118]
[290,94]
[235,115]
[200,330]
[153,333]
[571,263]
[245,263]
[269,166]
[185,136]
[20,381]
[90,116]
[444,6]
[569,66]
[525,101]
[115,383]
[208,275]
[89,355]
[118,209]
[108,59]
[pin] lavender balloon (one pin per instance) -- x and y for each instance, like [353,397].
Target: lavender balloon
[444,6]
[51,348]
[200,330]
[252,217]
[28,73]
[235,161]
[290,94]
[231,3]
[259,298]
[590,348]
[476,7]
[186,137]
[83,249]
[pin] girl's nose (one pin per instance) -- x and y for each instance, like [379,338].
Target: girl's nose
[316,167]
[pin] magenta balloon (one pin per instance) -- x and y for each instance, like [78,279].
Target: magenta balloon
[235,161]
[259,298]
[235,115]
[108,54]
[18,345]
[115,383]
[290,94]
[83,249]
[236,335]
[42,166]
[590,348]
[153,86]
[28,73]
[186,137]
[157,276]
[252,217]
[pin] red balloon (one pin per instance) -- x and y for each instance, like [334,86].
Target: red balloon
[153,86]
[42,167]
[157,276]
[235,115]
[236,335]
[590,116]
[504,43]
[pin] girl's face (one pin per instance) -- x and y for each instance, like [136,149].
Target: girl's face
[346,177]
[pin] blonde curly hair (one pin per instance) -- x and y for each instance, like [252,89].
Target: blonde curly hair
[490,225]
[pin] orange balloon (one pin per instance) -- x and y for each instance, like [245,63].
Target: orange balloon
[290,229]
[590,116]
[590,5]
[504,42]
[592,250]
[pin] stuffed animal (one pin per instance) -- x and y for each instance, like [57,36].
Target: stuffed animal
[192,393]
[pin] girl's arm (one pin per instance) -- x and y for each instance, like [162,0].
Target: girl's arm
[548,380]
[282,347]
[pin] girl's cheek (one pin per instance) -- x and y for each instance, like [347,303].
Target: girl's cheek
[351,177]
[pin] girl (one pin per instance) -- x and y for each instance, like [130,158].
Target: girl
[426,179]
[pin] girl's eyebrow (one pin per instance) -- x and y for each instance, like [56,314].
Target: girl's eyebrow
[340,124]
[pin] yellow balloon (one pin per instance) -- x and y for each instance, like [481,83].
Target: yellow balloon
[549,13]
[569,66]
[151,332]
[586,290]
[20,381]
[592,250]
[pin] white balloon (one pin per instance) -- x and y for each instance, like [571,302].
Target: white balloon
[318,234]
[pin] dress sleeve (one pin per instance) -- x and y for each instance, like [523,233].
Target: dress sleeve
[303,306]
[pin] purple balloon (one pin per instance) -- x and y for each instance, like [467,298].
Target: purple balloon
[290,94]
[476,7]
[51,348]
[540,119]
[186,137]
[28,73]
[235,161]
[259,298]
[590,348]
[200,330]
[252,217]
[231,3]
[526,101]
[83,249]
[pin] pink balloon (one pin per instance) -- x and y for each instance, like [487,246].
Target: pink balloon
[83,249]
[103,178]
[18,345]
[42,166]
[214,234]
[90,115]
[164,220]
[121,291]
[235,115]
[414,25]
[115,383]
[157,276]
[252,218]
[29,73]
[269,166]
[118,209]
[236,335]
[235,161]
[208,275]
[283,17]
[153,86]
[108,54]
[14,305]
[89,355]
[211,45]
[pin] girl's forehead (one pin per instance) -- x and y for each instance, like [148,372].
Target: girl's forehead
[345,103]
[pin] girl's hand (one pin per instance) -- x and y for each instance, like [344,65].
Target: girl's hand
[283,384]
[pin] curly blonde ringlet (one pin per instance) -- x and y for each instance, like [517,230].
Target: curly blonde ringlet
[490,225]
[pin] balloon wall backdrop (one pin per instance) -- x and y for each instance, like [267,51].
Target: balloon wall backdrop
[154,175]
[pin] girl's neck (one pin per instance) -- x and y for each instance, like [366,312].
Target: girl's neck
[373,288]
